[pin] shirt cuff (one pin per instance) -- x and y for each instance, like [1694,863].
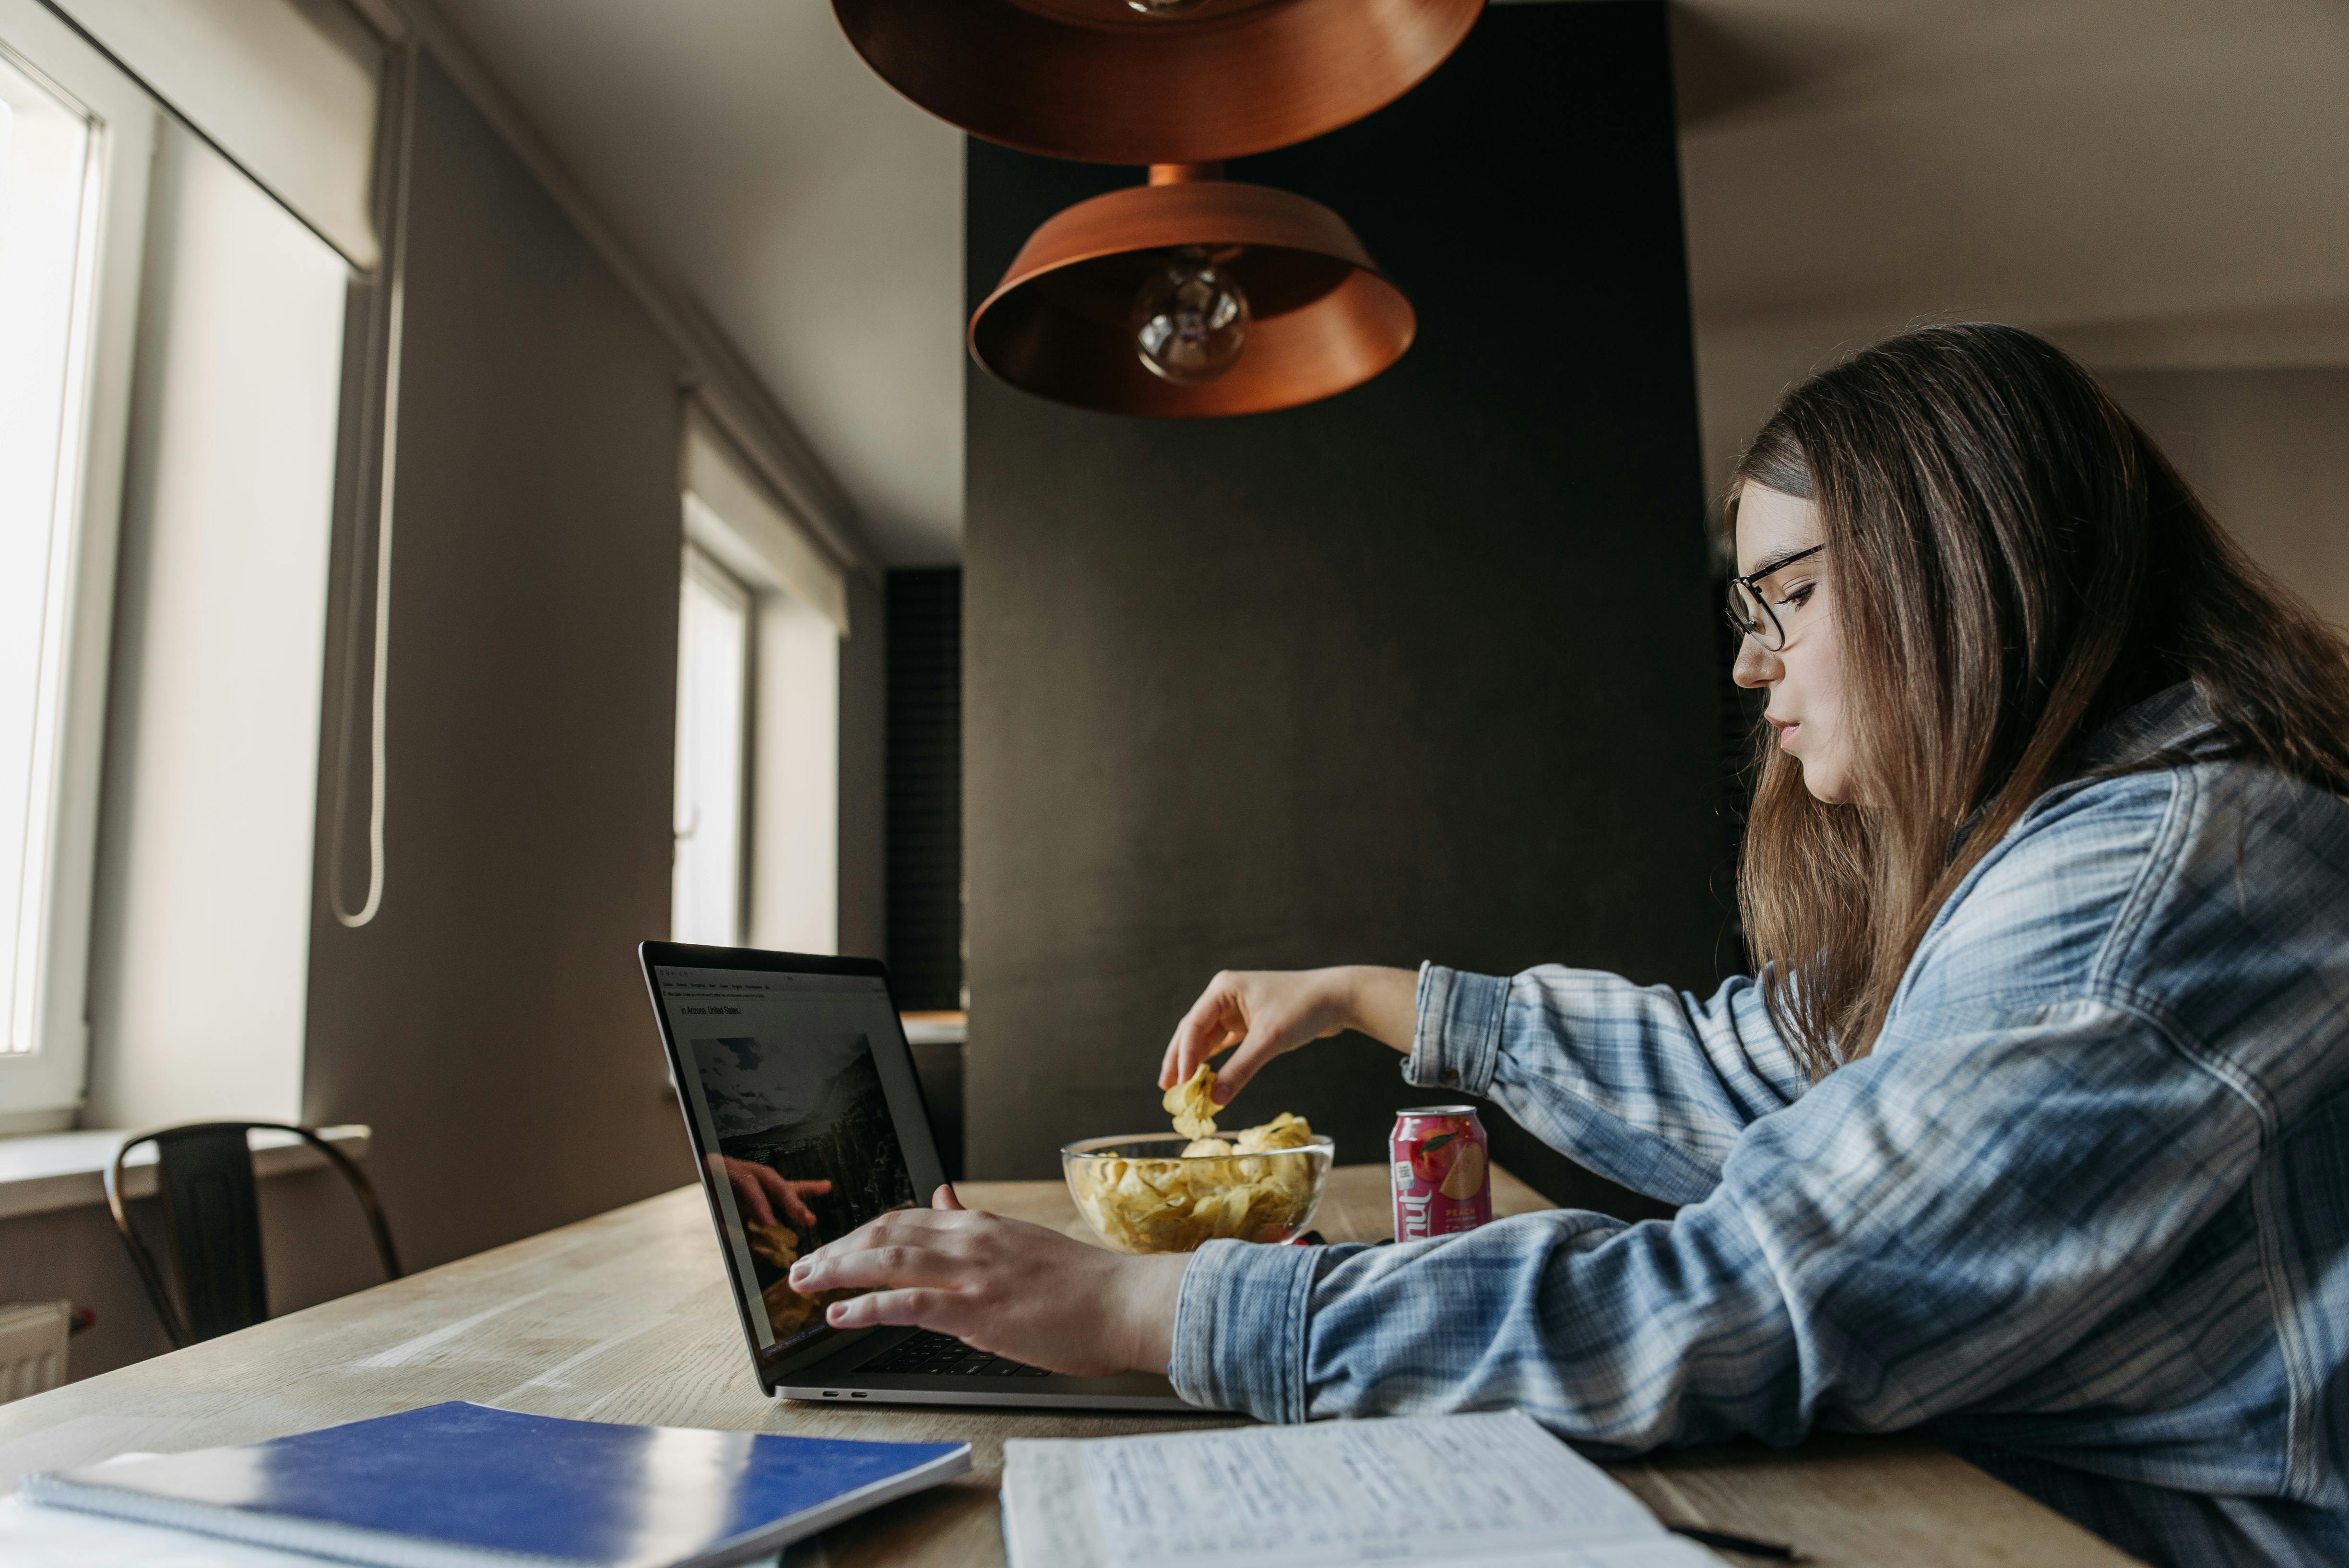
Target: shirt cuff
[1457,1043]
[1239,1329]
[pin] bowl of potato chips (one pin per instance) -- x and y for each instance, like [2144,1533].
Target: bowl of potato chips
[1160,1193]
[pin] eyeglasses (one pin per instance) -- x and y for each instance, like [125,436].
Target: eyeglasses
[1750,612]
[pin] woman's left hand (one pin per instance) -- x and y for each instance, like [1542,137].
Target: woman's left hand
[1003,1286]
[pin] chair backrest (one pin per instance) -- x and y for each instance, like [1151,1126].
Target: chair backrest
[212,1224]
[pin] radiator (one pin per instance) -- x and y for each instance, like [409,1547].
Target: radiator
[33,1346]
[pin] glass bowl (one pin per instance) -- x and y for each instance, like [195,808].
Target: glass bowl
[1144,1194]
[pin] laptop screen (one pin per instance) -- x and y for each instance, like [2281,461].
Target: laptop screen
[796,1086]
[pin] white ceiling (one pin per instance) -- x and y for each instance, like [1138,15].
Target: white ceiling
[2154,182]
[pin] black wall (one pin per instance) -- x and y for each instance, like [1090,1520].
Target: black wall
[925,810]
[1423,672]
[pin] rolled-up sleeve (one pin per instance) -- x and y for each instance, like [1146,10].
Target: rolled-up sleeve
[1647,1086]
[1240,1329]
[1925,1229]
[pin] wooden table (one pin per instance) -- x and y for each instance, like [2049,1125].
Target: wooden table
[625,1317]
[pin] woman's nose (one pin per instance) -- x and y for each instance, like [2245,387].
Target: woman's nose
[1755,667]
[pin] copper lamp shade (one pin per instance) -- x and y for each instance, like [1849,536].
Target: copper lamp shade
[1325,318]
[1154,81]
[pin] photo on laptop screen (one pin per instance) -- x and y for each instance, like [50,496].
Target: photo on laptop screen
[796,1087]
[806,1145]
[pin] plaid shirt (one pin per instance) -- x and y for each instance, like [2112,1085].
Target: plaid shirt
[2082,1214]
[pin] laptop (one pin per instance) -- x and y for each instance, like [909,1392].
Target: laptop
[807,1120]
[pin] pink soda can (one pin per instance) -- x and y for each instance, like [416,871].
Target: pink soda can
[1442,1164]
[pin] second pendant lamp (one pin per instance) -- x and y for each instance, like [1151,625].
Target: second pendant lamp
[1190,297]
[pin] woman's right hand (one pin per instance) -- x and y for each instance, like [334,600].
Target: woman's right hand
[1266,1012]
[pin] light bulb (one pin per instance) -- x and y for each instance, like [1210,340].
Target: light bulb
[1190,319]
[1165,7]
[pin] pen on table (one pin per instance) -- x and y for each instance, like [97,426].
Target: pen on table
[1720,1542]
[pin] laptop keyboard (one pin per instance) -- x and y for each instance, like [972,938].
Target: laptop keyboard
[932,1354]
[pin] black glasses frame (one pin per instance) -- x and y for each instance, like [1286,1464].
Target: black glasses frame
[1752,585]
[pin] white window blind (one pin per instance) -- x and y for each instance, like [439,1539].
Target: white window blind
[288,88]
[212,755]
[787,833]
[739,522]
[712,677]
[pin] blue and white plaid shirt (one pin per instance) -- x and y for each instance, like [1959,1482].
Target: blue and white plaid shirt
[2082,1214]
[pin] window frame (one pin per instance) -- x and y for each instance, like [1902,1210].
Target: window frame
[42,1089]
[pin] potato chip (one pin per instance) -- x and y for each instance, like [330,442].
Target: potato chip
[1284,1131]
[1192,1104]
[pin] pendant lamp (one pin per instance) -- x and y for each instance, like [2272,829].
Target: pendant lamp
[1152,81]
[1191,297]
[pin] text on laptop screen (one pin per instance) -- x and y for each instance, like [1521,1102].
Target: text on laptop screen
[792,1117]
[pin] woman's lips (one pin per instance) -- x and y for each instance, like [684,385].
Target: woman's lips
[1786,731]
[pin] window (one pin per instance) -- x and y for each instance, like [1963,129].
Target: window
[44,175]
[75,135]
[713,666]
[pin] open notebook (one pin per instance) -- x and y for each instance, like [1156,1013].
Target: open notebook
[1456,1490]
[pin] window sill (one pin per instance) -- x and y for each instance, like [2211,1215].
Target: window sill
[936,1028]
[40,1172]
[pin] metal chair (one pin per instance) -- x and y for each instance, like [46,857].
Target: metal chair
[212,1224]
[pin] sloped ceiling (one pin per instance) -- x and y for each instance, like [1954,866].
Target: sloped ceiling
[2154,182]
[813,214]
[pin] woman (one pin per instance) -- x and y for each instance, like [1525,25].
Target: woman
[2034,1128]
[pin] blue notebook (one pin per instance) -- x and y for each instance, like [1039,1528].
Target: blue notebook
[465,1486]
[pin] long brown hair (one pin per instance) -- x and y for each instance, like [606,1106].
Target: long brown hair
[2011,561]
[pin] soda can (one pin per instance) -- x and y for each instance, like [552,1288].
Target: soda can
[1442,1164]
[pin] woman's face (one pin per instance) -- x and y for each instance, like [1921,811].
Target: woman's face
[1805,677]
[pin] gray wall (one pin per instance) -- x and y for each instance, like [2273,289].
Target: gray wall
[2268,449]
[489,1023]
[1424,671]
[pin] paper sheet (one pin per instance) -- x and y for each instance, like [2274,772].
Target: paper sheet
[32,1536]
[1450,1489]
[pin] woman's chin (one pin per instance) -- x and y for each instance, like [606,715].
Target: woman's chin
[1828,784]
